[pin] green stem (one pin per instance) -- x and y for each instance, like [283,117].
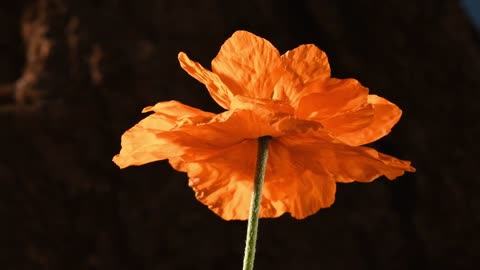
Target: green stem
[252,228]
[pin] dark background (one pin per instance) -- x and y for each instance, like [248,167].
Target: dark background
[74,75]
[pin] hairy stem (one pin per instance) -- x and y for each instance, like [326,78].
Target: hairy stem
[252,228]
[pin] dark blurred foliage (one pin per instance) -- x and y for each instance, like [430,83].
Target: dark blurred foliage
[75,74]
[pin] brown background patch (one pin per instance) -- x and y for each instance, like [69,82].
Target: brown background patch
[74,75]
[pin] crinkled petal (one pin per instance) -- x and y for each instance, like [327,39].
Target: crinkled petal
[332,97]
[347,163]
[177,130]
[350,121]
[160,135]
[175,112]
[308,62]
[217,89]
[295,184]
[249,65]
[363,164]
[266,117]
[303,65]
[224,182]
[386,115]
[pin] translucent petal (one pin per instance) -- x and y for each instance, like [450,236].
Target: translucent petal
[249,65]
[350,121]
[346,163]
[162,134]
[217,89]
[224,182]
[302,66]
[332,97]
[177,130]
[385,116]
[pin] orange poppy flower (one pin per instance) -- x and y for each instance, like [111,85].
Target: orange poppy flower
[317,125]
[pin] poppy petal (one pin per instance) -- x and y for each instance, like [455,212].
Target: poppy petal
[266,117]
[177,130]
[385,116]
[151,139]
[308,62]
[347,163]
[349,122]
[174,111]
[217,89]
[224,183]
[295,184]
[303,65]
[331,98]
[249,65]
[363,164]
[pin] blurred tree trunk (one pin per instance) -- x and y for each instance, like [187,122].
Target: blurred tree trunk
[75,74]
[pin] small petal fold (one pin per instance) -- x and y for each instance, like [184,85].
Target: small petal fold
[385,116]
[217,89]
[349,122]
[302,66]
[331,98]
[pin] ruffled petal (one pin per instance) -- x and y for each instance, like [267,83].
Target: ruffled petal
[363,164]
[266,117]
[303,65]
[385,116]
[347,163]
[249,65]
[224,182]
[174,112]
[160,135]
[308,62]
[330,98]
[177,130]
[217,89]
[295,184]
[350,121]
